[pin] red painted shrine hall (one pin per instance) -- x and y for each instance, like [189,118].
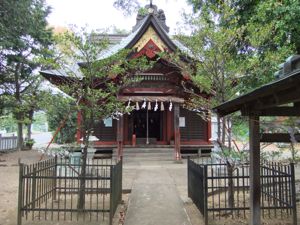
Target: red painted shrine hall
[159,118]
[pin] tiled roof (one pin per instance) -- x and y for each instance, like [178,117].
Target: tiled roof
[125,43]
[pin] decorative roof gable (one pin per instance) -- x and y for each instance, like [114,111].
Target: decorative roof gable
[151,9]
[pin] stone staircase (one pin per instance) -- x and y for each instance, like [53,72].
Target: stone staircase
[147,154]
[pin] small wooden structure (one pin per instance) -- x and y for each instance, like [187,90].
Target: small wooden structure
[278,98]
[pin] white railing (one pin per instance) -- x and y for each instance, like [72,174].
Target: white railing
[8,143]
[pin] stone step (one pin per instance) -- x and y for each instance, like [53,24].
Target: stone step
[147,150]
[147,154]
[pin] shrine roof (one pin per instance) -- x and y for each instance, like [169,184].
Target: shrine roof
[129,41]
[74,69]
[154,19]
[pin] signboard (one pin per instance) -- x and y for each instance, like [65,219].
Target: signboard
[181,121]
[108,122]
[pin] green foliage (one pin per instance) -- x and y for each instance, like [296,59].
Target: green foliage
[8,123]
[56,112]
[29,142]
[232,157]
[274,155]
[128,7]
[240,128]
[268,34]
[143,11]
[40,121]
[217,70]
[24,43]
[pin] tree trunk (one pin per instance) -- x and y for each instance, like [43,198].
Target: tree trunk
[81,193]
[229,133]
[294,152]
[30,117]
[18,113]
[230,169]
[20,135]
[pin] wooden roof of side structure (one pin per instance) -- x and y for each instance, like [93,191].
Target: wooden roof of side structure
[269,99]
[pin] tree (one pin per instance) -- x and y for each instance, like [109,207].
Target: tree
[127,6]
[24,43]
[96,84]
[241,45]
[217,69]
[269,33]
[62,107]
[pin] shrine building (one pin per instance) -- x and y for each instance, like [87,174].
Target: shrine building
[160,118]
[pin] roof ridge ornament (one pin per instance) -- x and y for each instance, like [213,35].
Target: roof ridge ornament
[151,9]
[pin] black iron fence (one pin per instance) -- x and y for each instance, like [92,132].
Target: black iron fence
[50,190]
[220,192]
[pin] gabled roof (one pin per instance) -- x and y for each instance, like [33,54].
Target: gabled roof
[134,37]
[154,20]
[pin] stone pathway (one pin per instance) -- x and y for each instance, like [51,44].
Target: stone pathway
[154,199]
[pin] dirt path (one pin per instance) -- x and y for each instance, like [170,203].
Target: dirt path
[9,178]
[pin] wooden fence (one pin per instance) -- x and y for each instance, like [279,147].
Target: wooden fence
[8,143]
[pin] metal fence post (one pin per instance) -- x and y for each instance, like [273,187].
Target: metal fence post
[188,176]
[294,202]
[20,194]
[121,179]
[54,180]
[205,194]
[111,205]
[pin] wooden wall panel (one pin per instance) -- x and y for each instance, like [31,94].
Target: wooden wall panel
[195,127]
[105,133]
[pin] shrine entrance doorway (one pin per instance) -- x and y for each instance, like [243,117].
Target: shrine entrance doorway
[147,126]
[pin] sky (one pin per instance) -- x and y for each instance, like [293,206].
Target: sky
[100,14]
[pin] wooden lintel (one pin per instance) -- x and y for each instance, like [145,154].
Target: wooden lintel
[274,111]
[277,137]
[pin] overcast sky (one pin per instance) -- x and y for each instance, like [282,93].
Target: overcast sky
[99,14]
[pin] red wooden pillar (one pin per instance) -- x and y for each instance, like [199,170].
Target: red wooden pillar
[254,144]
[78,132]
[176,132]
[120,136]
